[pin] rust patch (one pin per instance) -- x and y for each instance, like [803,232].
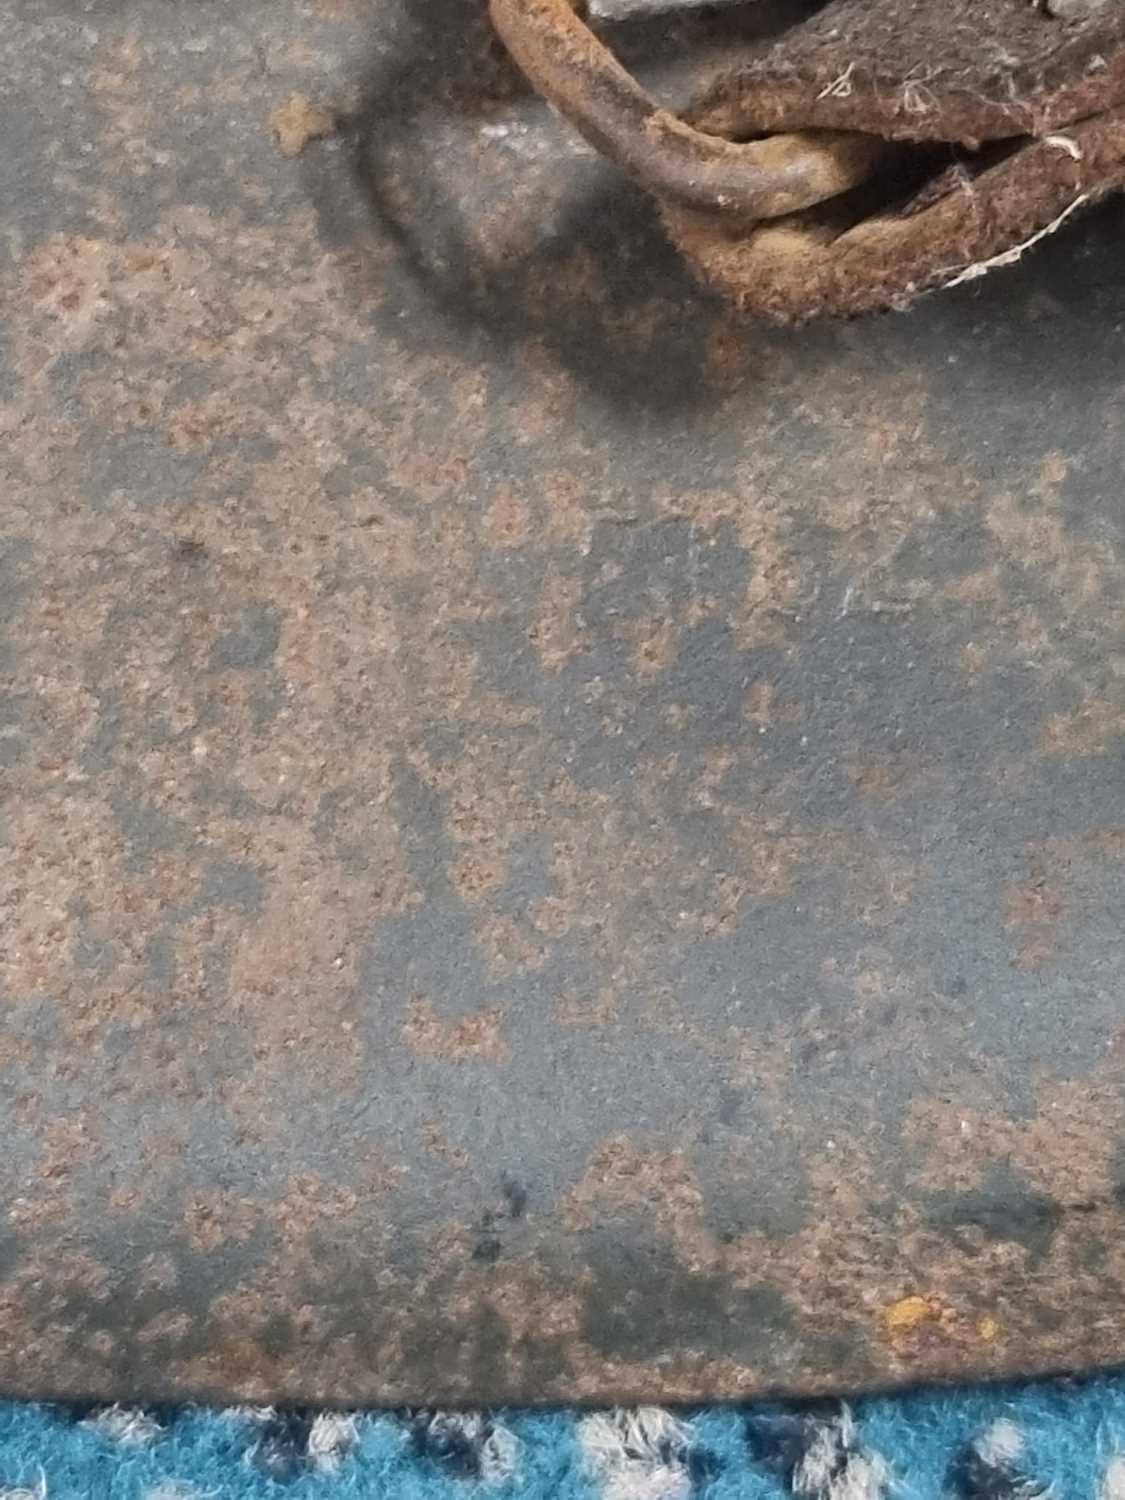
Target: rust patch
[510,945]
[654,645]
[479,1037]
[1093,728]
[298,122]
[763,708]
[586,1010]
[891,775]
[1033,911]
[477,875]
[507,520]
[215,1219]
[437,1143]
[309,1202]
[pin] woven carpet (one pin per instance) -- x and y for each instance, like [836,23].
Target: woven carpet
[1059,1438]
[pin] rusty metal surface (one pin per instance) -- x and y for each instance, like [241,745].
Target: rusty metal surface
[555,845]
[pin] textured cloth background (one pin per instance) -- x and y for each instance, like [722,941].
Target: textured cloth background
[1063,1438]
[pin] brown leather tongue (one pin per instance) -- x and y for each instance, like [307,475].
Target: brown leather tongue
[1039,94]
[950,70]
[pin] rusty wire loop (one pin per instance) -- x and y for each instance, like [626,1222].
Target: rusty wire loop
[751,180]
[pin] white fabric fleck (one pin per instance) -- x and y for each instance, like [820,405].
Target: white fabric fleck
[496,1447]
[1001,1445]
[125,1424]
[15,1492]
[258,1415]
[178,1489]
[824,1456]
[1113,1480]
[331,1438]
[864,1477]
[499,1455]
[637,1455]
[833,1468]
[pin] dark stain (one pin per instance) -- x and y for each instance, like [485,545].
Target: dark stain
[515,1195]
[190,550]
[13,750]
[277,1335]
[91,951]
[644,1303]
[233,884]
[160,962]
[11,1249]
[147,830]
[15,574]
[251,642]
[827,1354]
[1004,1208]
[730,1106]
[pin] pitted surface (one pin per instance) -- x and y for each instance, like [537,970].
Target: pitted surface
[555,845]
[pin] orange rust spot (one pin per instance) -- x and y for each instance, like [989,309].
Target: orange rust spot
[910,1313]
[988,1328]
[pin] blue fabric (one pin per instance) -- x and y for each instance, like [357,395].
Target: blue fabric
[1062,1437]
